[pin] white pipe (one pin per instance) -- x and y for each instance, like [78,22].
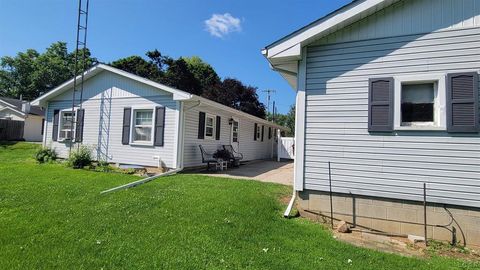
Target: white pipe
[141,181]
[290,204]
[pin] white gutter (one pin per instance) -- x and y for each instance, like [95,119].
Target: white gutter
[141,181]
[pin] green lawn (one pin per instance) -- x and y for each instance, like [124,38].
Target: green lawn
[54,217]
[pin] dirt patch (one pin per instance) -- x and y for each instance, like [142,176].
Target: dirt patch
[396,244]
[285,199]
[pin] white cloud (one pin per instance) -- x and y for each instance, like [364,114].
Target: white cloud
[221,25]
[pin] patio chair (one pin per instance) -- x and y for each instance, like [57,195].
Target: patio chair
[234,156]
[207,157]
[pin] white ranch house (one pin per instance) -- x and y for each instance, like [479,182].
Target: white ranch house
[387,92]
[128,119]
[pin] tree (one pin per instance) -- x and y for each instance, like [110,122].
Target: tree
[286,120]
[29,73]
[203,72]
[179,76]
[139,66]
[233,93]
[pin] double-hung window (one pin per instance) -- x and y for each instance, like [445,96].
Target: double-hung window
[67,128]
[209,126]
[420,102]
[258,132]
[142,131]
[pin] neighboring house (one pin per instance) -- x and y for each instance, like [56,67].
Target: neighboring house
[387,92]
[128,119]
[32,116]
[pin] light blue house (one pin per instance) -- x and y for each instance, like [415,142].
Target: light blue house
[387,93]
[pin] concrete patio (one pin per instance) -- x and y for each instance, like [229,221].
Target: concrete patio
[261,170]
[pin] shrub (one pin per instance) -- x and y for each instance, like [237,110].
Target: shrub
[80,158]
[45,155]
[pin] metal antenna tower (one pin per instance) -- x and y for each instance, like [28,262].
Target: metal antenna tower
[80,63]
[269,92]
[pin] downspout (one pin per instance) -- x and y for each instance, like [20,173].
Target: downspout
[290,204]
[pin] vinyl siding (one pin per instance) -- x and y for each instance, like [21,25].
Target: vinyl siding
[251,150]
[390,165]
[109,93]
[407,17]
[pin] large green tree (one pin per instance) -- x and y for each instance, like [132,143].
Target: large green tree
[30,73]
[233,93]
[203,73]
[139,66]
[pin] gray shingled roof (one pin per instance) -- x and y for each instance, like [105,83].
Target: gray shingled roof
[17,104]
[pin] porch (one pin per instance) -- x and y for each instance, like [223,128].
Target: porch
[260,170]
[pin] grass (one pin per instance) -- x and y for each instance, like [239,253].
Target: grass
[54,217]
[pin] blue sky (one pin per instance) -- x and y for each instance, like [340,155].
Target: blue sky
[119,28]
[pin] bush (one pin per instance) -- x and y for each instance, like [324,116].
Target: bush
[80,158]
[45,155]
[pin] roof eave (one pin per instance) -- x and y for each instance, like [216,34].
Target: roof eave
[291,45]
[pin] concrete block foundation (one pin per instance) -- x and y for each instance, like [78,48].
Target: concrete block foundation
[395,216]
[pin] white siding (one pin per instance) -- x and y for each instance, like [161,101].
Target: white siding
[110,93]
[394,165]
[250,149]
[411,17]
[33,128]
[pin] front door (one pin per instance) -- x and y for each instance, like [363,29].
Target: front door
[234,138]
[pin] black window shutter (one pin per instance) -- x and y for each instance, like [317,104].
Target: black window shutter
[263,131]
[201,125]
[56,117]
[269,133]
[255,132]
[159,126]
[462,102]
[217,126]
[127,114]
[380,105]
[79,125]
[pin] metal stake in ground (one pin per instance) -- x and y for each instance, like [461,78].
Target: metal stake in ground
[331,200]
[425,212]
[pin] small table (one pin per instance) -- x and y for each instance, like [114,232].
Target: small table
[221,165]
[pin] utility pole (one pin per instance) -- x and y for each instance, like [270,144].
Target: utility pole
[274,111]
[269,92]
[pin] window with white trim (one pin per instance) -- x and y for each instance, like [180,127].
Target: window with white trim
[258,132]
[235,131]
[142,131]
[210,126]
[420,102]
[66,129]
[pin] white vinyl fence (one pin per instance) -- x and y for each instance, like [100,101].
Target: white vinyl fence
[286,148]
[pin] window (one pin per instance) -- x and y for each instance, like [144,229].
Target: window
[66,132]
[258,132]
[419,102]
[209,126]
[235,131]
[142,126]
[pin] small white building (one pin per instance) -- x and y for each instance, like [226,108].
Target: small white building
[128,119]
[387,94]
[31,116]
